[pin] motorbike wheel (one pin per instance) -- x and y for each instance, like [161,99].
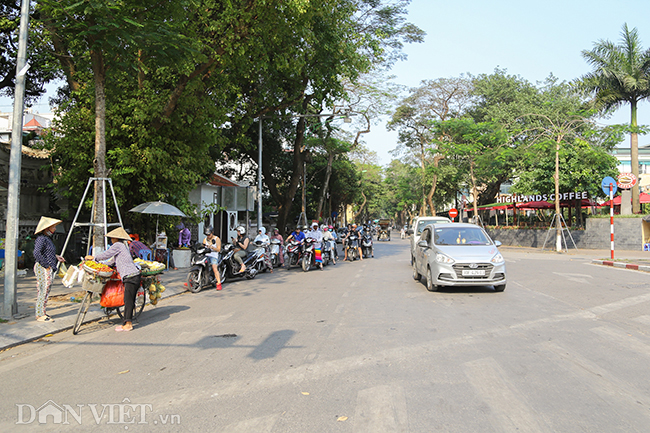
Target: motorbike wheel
[223,273]
[194,282]
[306,262]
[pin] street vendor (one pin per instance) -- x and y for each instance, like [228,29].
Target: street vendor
[46,261]
[127,269]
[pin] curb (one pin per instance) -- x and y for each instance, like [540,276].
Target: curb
[622,265]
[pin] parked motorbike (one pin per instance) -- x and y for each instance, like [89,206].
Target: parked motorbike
[353,246]
[265,248]
[366,245]
[294,253]
[201,274]
[254,262]
[308,257]
[275,252]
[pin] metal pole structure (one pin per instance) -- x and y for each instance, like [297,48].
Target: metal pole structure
[10,306]
[259,179]
[611,217]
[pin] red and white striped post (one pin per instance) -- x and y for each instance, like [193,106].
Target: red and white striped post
[611,216]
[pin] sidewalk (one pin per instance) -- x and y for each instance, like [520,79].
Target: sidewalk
[61,307]
[635,260]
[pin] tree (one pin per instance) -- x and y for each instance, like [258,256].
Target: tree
[439,99]
[621,75]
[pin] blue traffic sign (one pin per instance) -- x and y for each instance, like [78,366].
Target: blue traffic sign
[605,185]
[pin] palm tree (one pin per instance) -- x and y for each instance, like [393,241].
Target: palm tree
[621,76]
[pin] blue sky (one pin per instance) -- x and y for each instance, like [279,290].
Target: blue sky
[529,39]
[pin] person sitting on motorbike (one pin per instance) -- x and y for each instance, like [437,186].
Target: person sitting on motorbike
[317,235]
[328,236]
[335,235]
[355,231]
[278,236]
[297,235]
[264,241]
[213,243]
[241,245]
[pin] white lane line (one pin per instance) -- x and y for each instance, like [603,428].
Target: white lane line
[623,339]
[346,294]
[353,283]
[259,425]
[601,381]
[643,319]
[510,412]
[339,308]
[380,409]
[618,305]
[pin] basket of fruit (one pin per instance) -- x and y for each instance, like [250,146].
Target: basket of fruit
[97,269]
[149,268]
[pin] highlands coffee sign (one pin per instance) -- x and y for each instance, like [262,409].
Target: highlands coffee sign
[516,198]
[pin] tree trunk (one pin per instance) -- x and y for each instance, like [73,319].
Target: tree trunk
[434,184]
[356,215]
[328,174]
[99,163]
[474,191]
[634,161]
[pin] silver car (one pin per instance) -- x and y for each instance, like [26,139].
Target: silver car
[458,255]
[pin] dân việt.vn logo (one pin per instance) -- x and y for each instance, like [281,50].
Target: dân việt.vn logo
[124,413]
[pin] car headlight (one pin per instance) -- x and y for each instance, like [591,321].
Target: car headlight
[441,258]
[498,258]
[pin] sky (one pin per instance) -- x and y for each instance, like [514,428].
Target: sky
[528,39]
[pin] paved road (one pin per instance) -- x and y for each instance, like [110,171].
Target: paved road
[359,347]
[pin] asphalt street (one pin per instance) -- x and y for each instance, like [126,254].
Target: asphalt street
[358,347]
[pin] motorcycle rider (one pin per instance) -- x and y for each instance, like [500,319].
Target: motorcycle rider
[329,236]
[317,235]
[213,243]
[298,236]
[241,244]
[278,236]
[368,231]
[353,229]
[263,238]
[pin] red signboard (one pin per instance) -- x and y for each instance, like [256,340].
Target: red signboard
[453,213]
[626,180]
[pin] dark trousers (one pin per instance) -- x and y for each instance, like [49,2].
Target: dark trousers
[131,286]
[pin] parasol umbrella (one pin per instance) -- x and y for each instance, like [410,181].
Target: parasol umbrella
[158,208]
[643,198]
[535,205]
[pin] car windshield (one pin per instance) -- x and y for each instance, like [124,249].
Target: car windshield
[460,236]
[423,223]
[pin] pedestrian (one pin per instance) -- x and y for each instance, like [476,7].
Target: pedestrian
[184,236]
[127,269]
[46,261]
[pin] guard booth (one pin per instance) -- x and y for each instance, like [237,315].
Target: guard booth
[237,198]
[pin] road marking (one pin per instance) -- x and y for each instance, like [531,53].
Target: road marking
[339,308]
[346,294]
[623,339]
[353,283]
[643,319]
[509,410]
[578,278]
[258,425]
[618,305]
[381,409]
[598,379]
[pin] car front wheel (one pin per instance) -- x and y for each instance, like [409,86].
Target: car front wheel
[430,285]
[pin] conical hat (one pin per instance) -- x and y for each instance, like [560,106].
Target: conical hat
[46,222]
[119,233]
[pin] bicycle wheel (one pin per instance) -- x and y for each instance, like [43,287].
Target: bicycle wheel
[140,300]
[81,314]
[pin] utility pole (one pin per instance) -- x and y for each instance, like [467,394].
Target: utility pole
[10,306]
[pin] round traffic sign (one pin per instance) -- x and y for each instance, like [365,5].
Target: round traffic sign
[453,212]
[626,180]
[607,181]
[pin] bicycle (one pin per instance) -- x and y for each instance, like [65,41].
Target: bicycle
[93,284]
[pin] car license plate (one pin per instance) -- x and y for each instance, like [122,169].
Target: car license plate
[473,272]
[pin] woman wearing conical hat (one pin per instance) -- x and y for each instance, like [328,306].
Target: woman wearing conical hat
[126,268]
[46,261]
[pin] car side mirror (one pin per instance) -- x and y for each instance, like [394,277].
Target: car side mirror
[423,244]
[409,231]
[497,243]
